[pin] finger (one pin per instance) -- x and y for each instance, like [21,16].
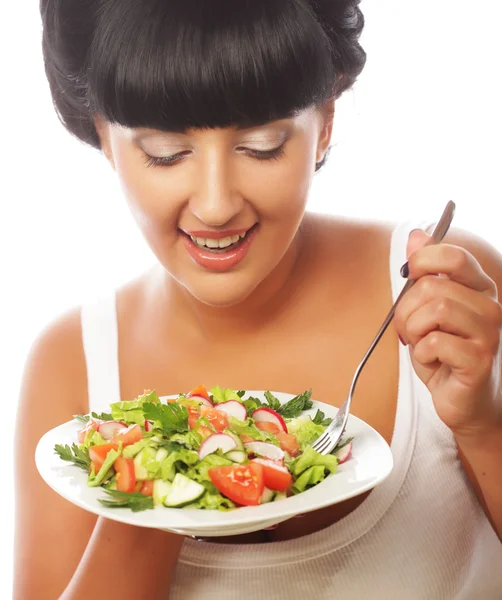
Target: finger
[450,316]
[470,360]
[431,287]
[453,261]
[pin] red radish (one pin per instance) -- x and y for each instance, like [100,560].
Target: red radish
[215,442]
[344,453]
[268,415]
[202,400]
[233,409]
[148,425]
[109,428]
[265,449]
[276,477]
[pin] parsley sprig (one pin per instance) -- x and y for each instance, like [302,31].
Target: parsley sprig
[134,500]
[74,454]
[173,418]
[86,418]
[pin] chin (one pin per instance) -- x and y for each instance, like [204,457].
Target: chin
[221,292]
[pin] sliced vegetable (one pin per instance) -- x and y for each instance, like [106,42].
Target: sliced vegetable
[128,436]
[109,428]
[232,408]
[344,453]
[237,456]
[267,496]
[160,491]
[200,391]
[98,454]
[216,418]
[268,415]
[275,476]
[241,483]
[147,488]
[217,441]
[125,478]
[264,449]
[184,491]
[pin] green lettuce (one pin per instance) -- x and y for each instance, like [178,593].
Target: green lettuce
[213,500]
[191,439]
[199,472]
[305,430]
[224,395]
[131,411]
[93,438]
[248,428]
[177,460]
[310,477]
[311,458]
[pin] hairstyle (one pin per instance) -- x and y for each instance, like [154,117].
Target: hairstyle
[179,64]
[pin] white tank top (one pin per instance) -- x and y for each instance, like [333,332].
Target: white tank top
[420,535]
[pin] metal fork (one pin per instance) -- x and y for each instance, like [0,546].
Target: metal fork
[328,440]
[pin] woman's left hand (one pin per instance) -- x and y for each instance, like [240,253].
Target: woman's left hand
[452,320]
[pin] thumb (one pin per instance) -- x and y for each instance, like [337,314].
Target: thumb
[416,240]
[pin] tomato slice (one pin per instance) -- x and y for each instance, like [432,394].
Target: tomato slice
[275,476]
[289,443]
[193,416]
[200,390]
[125,477]
[98,454]
[91,424]
[215,417]
[147,488]
[269,427]
[243,484]
[129,436]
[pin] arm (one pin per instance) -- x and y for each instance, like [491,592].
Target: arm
[80,545]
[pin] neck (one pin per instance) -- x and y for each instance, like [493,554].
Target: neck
[273,299]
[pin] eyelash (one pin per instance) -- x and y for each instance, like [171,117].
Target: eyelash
[167,161]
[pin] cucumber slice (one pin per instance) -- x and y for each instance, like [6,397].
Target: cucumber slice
[183,491]
[237,456]
[267,496]
[161,490]
[240,445]
[280,496]
[161,454]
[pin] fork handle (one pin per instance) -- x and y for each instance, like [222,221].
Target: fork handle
[441,229]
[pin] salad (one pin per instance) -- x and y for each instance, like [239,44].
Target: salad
[205,450]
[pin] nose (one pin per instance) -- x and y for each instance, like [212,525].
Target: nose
[215,201]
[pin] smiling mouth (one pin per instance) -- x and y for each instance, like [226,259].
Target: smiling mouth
[221,245]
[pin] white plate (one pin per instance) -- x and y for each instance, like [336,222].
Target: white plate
[370,463]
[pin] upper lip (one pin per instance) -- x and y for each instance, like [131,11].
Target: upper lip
[216,235]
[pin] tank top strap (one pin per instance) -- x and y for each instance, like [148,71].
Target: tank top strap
[100,341]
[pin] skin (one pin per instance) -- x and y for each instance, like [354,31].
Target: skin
[301,292]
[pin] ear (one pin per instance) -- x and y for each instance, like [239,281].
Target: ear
[103,129]
[326,116]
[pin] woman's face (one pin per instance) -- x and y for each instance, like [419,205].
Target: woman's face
[220,208]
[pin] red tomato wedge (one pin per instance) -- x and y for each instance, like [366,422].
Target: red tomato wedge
[91,424]
[193,416]
[216,418]
[200,390]
[289,443]
[275,476]
[147,488]
[129,436]
[269,427]
[98,454]
[125,477]
[243,484]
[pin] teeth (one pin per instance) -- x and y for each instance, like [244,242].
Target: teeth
[222,243]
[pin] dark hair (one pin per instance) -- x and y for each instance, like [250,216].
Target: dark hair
[179,64]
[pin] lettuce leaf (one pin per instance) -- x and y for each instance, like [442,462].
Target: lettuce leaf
[199,472]
[191,439]
[311,458]
[224,395]
[178,460]
[96,479]
[305,430]
[248,428]
[309,478]
[131,411]
[93,438]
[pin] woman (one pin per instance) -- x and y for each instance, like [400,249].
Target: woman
[215,116]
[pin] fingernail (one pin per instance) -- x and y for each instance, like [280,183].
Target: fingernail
[405,270]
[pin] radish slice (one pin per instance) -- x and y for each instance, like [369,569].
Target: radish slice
[233,409]
[265,449]
[109,428]
[215,442]
[203,400]
[267,415]
[266,462]
[344,453]
[148,425]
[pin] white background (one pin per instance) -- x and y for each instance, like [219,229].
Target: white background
[422,126]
